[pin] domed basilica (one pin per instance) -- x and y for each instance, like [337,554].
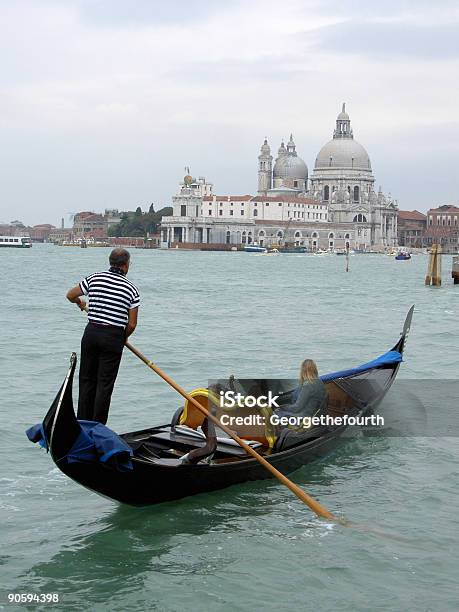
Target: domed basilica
[333,209]
[342,179]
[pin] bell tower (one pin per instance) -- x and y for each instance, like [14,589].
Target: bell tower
[265,168]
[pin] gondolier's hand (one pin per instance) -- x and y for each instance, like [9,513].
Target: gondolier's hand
[81,304]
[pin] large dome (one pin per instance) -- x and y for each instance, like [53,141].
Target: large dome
[343,153]
[290,166]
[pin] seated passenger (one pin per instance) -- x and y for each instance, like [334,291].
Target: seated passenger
[310,399]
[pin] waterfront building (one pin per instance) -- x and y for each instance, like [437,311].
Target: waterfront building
[238,220]
[443,228]
[15,228]
[89,225]
[411,228]
[61,234]
[40,233]
[6,229]
[340,194]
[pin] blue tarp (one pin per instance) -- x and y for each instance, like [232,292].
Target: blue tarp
[389,358]
[96,442]
[36,434]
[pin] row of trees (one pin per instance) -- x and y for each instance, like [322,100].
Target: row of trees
[138,223]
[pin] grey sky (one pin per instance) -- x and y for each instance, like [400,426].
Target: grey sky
[103,102]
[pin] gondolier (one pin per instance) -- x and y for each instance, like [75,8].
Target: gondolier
[112,317]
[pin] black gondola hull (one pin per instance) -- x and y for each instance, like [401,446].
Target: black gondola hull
[150,484]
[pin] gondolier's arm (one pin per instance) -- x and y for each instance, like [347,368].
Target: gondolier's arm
[73,295]
[132,321]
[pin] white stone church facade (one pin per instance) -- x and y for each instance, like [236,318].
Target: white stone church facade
[336,206]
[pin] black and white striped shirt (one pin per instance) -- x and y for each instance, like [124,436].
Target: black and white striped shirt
[111,295]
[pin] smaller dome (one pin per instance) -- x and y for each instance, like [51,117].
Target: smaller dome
[282,150]
[188,179]
[290,166]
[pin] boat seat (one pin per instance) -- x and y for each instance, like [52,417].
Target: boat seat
[167,462]
[226,446]
[191,416]
[144,452]
[220,439]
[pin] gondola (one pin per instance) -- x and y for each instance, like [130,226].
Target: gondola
[172,461]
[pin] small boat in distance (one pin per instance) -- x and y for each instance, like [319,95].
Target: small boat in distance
[71,243]
[19,242]
[254,248]
[170,461]
[84,243]
[403,256]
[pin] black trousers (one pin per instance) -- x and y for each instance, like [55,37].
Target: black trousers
[101,350]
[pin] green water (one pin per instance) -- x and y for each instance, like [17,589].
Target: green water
[251,547]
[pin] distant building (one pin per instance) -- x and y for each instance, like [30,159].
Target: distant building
[40,233]
[343,178]
[60,234]
[7,230]
[89,225]
[37,233]
[15,228]
[265,219]
[340,193]
[443,227]
[411,228]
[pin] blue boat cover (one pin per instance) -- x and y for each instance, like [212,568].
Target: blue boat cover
[96,442]
[389,358]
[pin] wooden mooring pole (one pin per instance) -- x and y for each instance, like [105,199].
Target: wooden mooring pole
[455,270]
[433,276]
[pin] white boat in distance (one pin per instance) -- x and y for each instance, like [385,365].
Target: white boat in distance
[20,242]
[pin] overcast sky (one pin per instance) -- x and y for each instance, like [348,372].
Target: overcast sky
[104,102]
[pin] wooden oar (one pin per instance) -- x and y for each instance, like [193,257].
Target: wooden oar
[304,497]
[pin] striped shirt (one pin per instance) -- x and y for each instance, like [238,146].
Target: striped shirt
[111,295]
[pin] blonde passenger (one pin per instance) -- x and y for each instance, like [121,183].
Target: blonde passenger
[311,395]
